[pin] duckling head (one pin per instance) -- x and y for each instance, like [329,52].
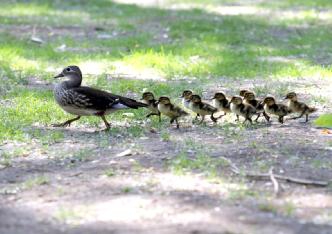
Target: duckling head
[186,94]
[243,91]
[219,96]
[164,100]
[249,96]
[291,96]
[269,101]
[147,96]
[237,100]
[195,98]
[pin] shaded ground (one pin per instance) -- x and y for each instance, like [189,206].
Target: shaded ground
[169,182]
[75,180]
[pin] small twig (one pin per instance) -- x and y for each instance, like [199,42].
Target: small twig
[275,182]
[267,176]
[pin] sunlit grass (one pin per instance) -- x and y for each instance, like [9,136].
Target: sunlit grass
[199,44]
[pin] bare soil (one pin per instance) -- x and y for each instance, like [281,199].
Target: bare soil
[82,185]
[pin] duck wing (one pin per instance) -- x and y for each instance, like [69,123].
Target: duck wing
[102,100]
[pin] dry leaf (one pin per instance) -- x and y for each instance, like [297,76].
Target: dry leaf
[326,132]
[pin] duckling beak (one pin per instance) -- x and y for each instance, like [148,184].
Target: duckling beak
[59,75]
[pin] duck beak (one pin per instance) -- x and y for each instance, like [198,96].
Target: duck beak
[59,75]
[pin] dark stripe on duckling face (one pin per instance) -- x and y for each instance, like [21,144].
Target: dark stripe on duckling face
[148,96]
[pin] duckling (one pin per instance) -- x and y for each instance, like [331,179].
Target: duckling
[243,91]
[202,108]
[271,107]
[299,107]
[221,103]
[167,108]
[250,98]
[242,109]
[186,95]
[149,99]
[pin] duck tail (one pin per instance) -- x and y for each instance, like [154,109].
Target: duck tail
[131,103]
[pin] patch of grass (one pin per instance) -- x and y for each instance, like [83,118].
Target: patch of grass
[5,159]
[110,172]
[201,162]
[165,135]
[288,209]
[68,215]
[7,156]
[27,107]
[35,181]
[127,190]
[324,120]
[242,193]
[82,154]
[47,137]
[135,131]
[268,207]
[320,164]
[137,166]
[263,165]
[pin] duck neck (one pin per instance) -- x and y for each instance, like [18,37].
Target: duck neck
[73,82]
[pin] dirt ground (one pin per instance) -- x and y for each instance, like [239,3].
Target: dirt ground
[83,185]
[91,181]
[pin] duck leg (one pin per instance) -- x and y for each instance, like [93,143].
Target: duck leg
[108,125]
[222,115]
[281,119]
[247,119]
[214,119]
[259,115]
[147,116]
[196,118]
[203,117]
[67,123]
[177,123]
[266,116]
[300,116]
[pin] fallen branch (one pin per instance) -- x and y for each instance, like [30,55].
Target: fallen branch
[275,182]
[267,176]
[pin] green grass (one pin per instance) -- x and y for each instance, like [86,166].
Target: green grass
[324,121]
[196,44]
[110,172]
[35,181]
[200,160]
